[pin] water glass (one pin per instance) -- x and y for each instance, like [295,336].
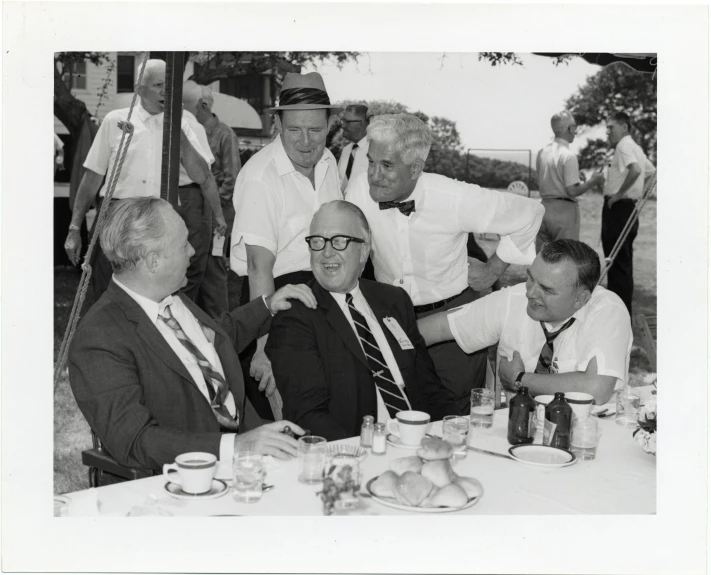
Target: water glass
[584,438]
[247,476]
[482,408]
[627,409]
[455,431]
[312,458]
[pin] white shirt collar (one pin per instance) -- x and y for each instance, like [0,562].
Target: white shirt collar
[153,309]
[562,142]
[341,297]
[363,142]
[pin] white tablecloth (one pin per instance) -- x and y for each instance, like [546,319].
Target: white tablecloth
[621,480]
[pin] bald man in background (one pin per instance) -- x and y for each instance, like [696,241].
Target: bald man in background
[140,175]
[208,223]
[560,185]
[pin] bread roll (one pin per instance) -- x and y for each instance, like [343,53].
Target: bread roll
[450,496]
[434,448]
[472,486]
[412,488]
[438,471]
[403,464]
[427,502]
[384,486]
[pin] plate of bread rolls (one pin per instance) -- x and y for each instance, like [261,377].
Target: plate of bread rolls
[426,482]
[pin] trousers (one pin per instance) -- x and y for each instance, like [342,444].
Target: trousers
[620,278]
[561,221]
[197,215]
[460,372]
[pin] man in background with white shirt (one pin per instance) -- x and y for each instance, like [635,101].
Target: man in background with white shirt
[354,156]
[152,373]
[420,224]
[140,175]
[359,351]
[627,176]
[560,185]
[559,331]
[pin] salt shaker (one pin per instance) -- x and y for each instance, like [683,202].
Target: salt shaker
[379,443]
[366,431]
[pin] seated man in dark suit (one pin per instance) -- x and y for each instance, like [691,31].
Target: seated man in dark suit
[152,373]
[359,351]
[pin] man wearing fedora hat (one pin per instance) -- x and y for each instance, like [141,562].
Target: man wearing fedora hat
[277,193]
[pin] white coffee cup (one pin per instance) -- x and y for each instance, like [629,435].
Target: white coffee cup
[409,426]
[193,471]
[580,403]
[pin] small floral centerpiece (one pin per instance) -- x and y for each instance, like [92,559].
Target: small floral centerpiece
[341,484]
[646,432]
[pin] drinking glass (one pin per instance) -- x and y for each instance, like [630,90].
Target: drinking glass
[312,458]
[455,431]
[61,506]
[627,408]
[585,437]
[345,471]
[482,408]
[247,476]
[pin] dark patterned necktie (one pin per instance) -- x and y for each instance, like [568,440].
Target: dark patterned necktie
[349,167]
[216,384]
[544,360]
[406,208]
[393,397]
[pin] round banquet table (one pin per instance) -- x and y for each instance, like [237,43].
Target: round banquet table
[621,480]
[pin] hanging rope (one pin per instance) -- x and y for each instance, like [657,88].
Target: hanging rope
[127,129]
[634,216]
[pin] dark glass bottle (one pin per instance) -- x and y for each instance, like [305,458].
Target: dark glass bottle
[521,420]
[559,412]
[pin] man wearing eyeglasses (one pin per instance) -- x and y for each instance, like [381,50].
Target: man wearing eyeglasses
[359,352]
[354,156]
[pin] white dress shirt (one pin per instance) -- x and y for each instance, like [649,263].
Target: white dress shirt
[601,330]
[426,252]
[192,329]
[627,152]
[362,306]
[274,204]
[140,174]
[360,162]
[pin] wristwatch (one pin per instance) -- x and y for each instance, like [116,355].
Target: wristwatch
[518,384]
[75,228]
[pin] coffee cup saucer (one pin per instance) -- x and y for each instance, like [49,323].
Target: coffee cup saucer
[395,441]
[218,489]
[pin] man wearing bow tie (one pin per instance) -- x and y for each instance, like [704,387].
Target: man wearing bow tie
[420,223]
[152,373]
[558,331]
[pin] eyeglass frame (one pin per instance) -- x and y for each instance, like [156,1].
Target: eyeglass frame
[349,239]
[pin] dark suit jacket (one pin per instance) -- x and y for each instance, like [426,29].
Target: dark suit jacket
[323,375]
[137,395]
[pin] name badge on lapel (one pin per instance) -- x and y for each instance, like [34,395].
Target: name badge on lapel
[398,333]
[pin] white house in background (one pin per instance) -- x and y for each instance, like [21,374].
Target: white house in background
[110,86]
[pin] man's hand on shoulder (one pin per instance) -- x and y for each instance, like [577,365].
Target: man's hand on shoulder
[270,439]
[279,300]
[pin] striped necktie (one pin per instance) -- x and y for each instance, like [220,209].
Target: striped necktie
[349,167]
[544,360]
[393,396]
[215,383]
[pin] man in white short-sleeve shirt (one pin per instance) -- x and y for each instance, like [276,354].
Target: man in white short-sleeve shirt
[559,183]
[141,171]
[354,156]
[420,223]
[627,175]
[277,193]
[588,327]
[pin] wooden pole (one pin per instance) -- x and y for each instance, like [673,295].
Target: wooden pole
[170,164]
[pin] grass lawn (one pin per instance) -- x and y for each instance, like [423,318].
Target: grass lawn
[71,432]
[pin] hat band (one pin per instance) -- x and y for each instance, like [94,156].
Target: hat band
[293,96]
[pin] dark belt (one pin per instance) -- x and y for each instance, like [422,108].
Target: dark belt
[189,186]
[561,198]
[437,304]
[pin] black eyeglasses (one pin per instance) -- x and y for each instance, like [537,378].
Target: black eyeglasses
[338,243]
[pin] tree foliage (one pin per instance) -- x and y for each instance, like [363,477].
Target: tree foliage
[618,88]
[447,156]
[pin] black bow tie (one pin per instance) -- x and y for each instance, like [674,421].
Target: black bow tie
[406,208]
